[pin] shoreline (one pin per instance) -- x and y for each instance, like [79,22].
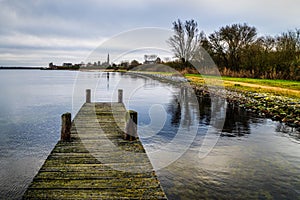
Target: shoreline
[276,107]
[273,106]
[21,68]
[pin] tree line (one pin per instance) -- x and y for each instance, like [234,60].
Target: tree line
[238,51]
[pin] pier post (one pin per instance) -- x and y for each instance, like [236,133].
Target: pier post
[131,125]
[88,96]
[65,127]
[120,96]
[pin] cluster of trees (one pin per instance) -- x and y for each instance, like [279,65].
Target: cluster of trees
[126,65]
[238,51]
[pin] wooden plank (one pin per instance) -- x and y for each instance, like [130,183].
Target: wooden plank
[95,163]
[95,194]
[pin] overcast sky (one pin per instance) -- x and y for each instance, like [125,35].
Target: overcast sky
[36,32]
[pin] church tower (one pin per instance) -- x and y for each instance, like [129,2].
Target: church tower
[108,59]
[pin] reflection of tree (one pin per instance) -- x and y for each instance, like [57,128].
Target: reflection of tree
[237,121]
[204,108]
[211,111]
[175,110]
[183,107]
[184,100]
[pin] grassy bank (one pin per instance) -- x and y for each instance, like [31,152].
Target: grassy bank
[276,99]
[275,87]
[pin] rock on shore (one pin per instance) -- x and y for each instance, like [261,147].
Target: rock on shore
[278,108]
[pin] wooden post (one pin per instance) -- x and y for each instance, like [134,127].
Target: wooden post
[120,96]
[88,96]
[131,125]
[65,127]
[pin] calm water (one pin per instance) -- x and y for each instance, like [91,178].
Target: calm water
[249,158]
[31,104]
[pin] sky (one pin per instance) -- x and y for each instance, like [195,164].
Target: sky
[37,32]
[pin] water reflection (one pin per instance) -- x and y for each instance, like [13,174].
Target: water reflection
[167,138]
[31,104]
[180,107]
[107,78]
[290,131]
[175,110]
[237,122]
[263,166]
[261,163]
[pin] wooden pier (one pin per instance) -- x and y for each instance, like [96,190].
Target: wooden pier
[99,156]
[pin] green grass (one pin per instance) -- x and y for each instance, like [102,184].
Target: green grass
[277,87]
[294,85]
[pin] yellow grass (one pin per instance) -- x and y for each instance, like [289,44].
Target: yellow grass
[243,85]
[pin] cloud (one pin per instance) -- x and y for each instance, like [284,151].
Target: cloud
[47,42]
[57,26]
[23,49]
[269,16]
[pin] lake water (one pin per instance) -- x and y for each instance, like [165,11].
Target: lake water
[249,158]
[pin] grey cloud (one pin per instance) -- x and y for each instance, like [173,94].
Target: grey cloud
[83,22]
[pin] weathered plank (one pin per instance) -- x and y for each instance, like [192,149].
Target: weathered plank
[97,163]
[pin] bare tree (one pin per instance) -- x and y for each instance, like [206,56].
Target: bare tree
[288,53]
[185,40]
[267,42]
[229,42]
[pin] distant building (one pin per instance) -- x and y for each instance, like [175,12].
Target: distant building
[152,59]
[52,66]
[158,60]
[107,63]
[108,59]
[67,64]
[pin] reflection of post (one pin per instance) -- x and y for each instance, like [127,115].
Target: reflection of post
[131,125]
[88,96]
[65,127]
[107,76]
[186,106]
[120,96]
